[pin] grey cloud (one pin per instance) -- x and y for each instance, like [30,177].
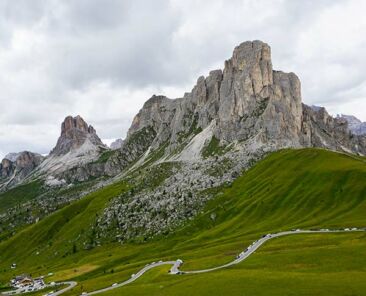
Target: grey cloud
[103,58]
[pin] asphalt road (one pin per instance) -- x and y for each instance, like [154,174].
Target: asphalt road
[255,245]
[175,269]
[70,286]
[133,277]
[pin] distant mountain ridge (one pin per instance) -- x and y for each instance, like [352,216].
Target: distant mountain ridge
[247,103]
[178,150]
[74,133]
[17,166]
[78,144]
[246,108]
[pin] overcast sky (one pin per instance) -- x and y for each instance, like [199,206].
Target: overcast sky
[103,59]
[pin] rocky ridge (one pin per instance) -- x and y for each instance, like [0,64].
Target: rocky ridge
[77,146]
[355,125]
[75,132]
[176,149]
[248,103]
[226,123]
[15,167]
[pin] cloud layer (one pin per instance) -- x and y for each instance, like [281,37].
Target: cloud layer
[103,58]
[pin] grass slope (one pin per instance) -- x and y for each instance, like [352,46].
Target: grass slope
[306,188]
[19,194]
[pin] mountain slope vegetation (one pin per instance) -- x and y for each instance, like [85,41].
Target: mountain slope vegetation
[305,188]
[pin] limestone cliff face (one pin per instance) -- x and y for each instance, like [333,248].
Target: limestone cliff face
[7,168]
[247,105]
[319,129]
[76,148]
[246,102]
[74,133]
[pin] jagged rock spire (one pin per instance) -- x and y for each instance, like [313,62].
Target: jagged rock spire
[74,133]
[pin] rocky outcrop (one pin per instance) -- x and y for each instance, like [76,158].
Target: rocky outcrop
[7,168]
[77,146]
[74,133]
[176,149]
[247,106]
[319,129]
[356,126]
[248,103]
[18,167]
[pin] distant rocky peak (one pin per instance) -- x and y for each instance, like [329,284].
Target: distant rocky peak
[355,125]
[74,133]
[18,166]
[253,58]
[117,144]
[71,123]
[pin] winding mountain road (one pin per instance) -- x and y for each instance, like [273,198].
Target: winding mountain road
[241,257]
[70,286]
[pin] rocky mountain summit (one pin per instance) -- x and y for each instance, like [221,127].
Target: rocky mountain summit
[210,136]
[245,101]
[77,145]
[248,104]
[75,133]
[17,166]
[246,107]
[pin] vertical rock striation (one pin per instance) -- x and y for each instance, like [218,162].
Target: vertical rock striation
[248,102]
[247,99]
[74,133]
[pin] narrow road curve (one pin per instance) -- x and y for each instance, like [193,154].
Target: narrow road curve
[134,277]
[70,286]
[176,264]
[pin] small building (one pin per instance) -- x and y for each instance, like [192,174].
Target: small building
[21,281]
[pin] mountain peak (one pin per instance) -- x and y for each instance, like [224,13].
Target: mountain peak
[17,166]
[71,123]
[74,132]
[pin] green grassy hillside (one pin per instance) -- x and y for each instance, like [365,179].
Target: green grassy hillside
[307,188]
[20,194]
